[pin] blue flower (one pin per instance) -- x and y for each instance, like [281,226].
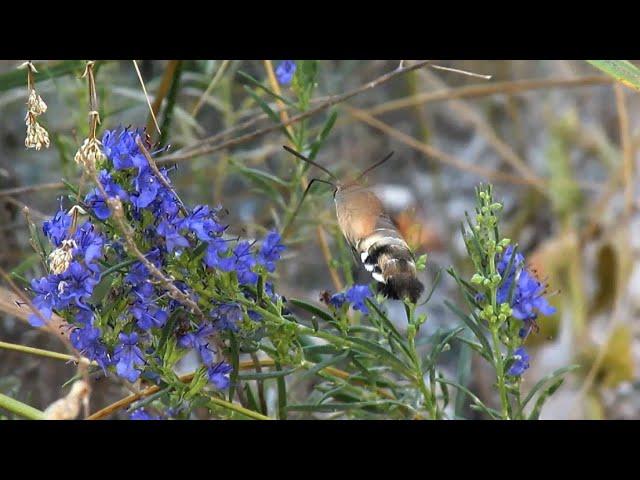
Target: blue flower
[203,223]
[76,283]
[217,256]
[227,316]
[96,201]
[138,273]
[528,293]
[149,315]
[200,341]
[142,414]
[121,148]
[46,299]
[285,72]
[270,251]
[219,375]
[244,263]
[87,340]
[89,242]
[172,237]
[57,228]
[355,296]
[147,187]
[520,362]
[338,299]
[127,356]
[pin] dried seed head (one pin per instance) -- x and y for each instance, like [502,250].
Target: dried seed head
[89,154]
[68,408]
[60,258]
[37,136]
[35,104]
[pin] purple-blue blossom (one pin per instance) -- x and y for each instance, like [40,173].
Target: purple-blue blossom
[128,356]
[200,340]
[57,228]
[285,72]
[142,414]
[270,251]
[355,296]
[520,362]
[219,375]
[528,293]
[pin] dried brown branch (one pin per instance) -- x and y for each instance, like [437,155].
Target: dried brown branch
[31,188]
[433,152]
[331,101]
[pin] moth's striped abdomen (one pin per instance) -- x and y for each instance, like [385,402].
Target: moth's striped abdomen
[380,246]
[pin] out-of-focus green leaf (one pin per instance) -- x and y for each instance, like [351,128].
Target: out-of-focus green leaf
[18,78]
[622,70]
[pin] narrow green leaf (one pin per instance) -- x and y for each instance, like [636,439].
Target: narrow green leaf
[544,380]
[623,71]
[546,393]
[312,309]
[256,83]
[18,78]
[267,109]
[471,324]
[321,365]
[266,375]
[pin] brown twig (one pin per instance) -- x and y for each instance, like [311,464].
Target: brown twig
[165,84]
[498,88]
[205,149]
[488,132]
[433,152]
[214,81]
[625,142]
[31,188]
[154,168]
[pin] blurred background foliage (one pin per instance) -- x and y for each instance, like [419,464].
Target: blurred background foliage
[559,139]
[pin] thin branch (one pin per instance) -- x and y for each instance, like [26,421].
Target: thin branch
[44,353]
[165,84]
[625,142]
[31,188]
[214,81]
[146,95]
[482,90]
[205,149]
[154,168]
[463,72]
[433,152]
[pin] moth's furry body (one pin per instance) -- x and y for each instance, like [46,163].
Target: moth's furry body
[372,235]
[377,242]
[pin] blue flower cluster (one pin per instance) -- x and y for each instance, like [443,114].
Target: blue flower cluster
[285,72]
[355,296]
[124,337]
[525,294]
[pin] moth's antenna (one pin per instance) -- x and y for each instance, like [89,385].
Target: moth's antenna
[285,230]
[305,159]
[375,165]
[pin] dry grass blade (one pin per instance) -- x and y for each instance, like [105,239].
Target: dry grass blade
[433,152]
[627,152]
[331,101]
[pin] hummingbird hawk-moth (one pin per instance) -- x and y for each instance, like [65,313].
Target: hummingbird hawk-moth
[372,235]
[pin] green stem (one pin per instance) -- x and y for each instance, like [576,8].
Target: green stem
[237,408]
[120,265]
[495,327]
[38,351]
[20,409]
[497,355]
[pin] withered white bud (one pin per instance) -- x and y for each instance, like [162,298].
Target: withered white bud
[68,408]
[60,258]
[35,104]
[37,136]
[89,153]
